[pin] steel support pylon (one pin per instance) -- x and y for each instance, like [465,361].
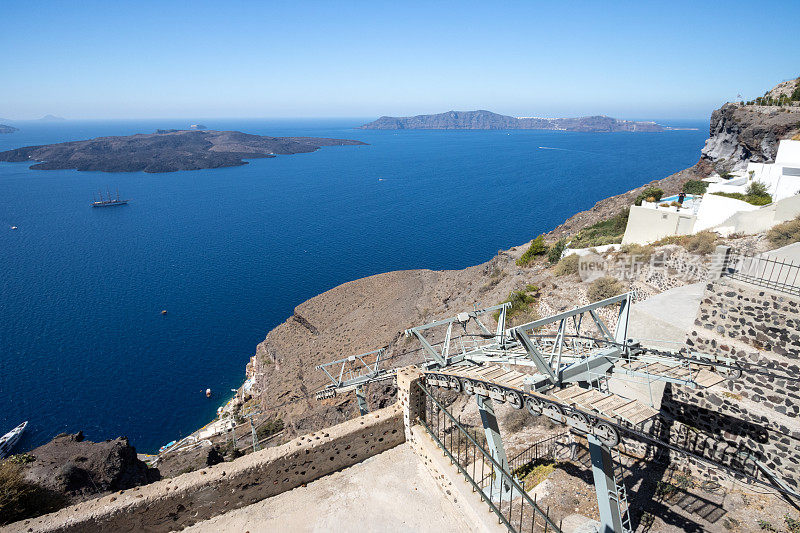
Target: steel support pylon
[611,498]
[362,400]
[494,441]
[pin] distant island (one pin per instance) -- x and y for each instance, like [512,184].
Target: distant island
[198,127]
[7,129]
[486,120]
[51,118]
[165,151]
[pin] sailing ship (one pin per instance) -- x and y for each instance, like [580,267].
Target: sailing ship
[8,440]
[108,200]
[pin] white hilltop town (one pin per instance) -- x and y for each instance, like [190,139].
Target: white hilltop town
[745,201]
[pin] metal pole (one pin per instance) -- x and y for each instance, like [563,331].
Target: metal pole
[362,400]
[605,486]
[256,447]
[494,441]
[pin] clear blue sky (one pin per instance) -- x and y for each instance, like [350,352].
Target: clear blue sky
[359,59]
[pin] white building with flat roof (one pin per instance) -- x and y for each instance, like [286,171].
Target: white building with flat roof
[653,221]
[782,178]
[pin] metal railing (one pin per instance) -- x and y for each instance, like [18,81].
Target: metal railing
[541,449]
[763,271]
[513,507]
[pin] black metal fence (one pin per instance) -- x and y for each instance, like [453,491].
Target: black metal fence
[546,448]
[763,271]
[513,506]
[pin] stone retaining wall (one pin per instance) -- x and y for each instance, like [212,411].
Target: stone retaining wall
[768,321]
[179,502]
[755,413]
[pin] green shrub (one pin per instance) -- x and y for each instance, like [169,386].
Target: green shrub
[568,265]
[537,248]
[269,428]
[757,188]
[792,524]
[555,251]
[766,526]
[753,200]
[523,304]
[695,187]
[785,233]
[649,192]
[609,231]
[604,287]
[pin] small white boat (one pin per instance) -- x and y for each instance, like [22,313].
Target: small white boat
[10,439]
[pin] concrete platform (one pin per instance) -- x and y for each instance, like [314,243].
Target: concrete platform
[667,316]
[392,491]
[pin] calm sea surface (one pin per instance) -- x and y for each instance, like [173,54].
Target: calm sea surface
[230,252]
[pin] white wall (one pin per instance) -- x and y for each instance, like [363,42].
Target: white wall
[788,153]
[647,225]
[761,219]
[716,209]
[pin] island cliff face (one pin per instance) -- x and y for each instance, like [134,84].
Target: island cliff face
[165,151]
[740,133]
[486,120]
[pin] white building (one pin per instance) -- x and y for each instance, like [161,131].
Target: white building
[782,177]
[653,221]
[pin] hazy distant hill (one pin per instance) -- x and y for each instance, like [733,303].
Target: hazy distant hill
[7,129]
[486,120]
[51,118]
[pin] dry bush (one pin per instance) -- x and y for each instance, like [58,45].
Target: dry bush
[702,243]
[604,287]
[785,233]
[19,498]
[568,265]
[643,253]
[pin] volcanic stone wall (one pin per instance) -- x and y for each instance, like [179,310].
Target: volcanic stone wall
[754,416]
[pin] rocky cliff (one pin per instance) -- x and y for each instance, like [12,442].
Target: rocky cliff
[81,469]
[742,132]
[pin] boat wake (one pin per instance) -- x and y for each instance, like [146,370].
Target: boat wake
[567,150]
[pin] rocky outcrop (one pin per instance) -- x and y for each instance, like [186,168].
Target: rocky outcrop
[486,120]
[7,129]
[81,469]
[739,133]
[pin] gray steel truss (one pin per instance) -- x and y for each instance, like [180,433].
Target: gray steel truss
[443,357]
[549,357]
[353,373]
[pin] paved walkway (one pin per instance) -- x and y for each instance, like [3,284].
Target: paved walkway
[392,491]
[666,316]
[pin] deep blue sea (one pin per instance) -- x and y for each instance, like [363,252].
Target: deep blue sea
[230,252]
